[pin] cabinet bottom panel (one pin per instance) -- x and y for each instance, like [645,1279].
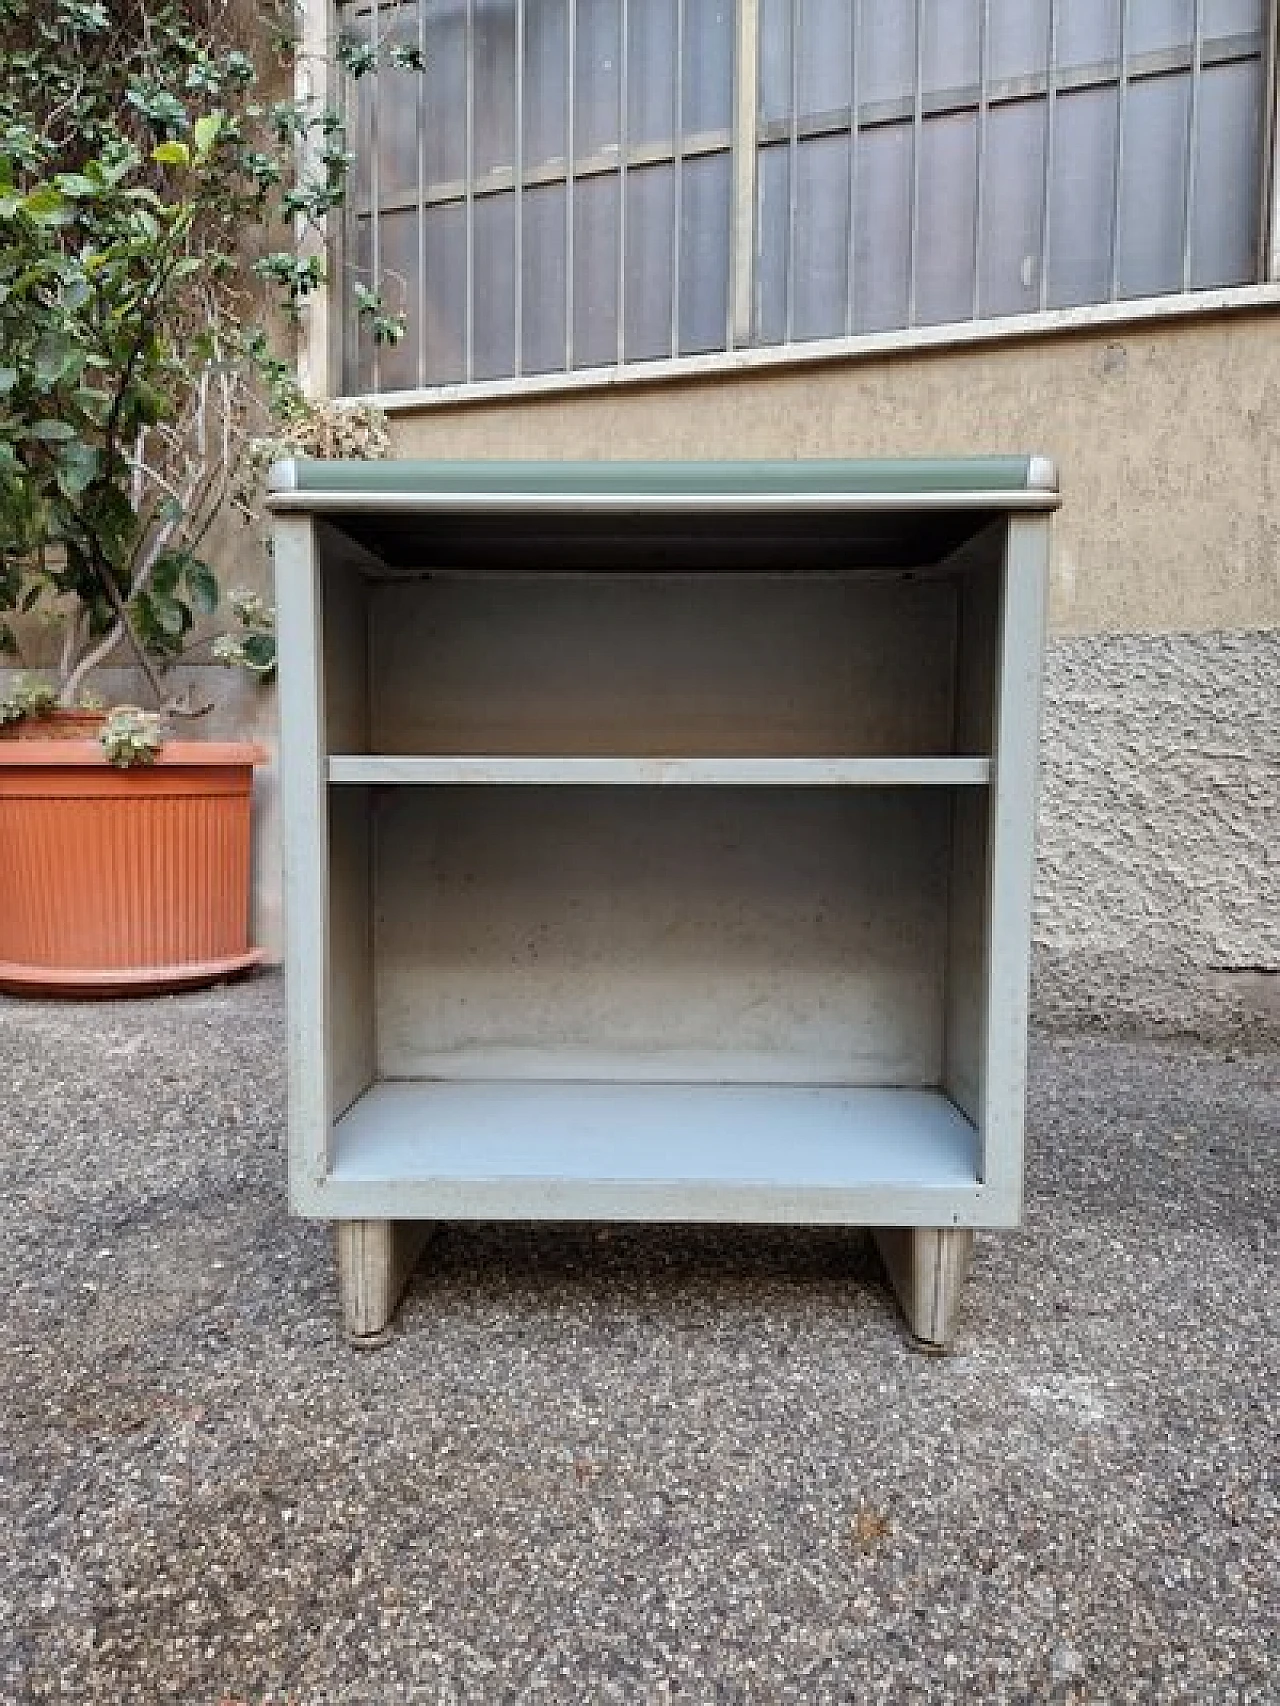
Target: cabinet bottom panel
[498,1150]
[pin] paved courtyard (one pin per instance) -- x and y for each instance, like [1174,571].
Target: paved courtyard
[637,1465]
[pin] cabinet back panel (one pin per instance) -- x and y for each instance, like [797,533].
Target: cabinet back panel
[756,935]
[663,664]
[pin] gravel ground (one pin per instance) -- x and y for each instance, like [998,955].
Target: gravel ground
[636,1465]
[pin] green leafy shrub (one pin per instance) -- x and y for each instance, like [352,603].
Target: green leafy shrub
[139,146]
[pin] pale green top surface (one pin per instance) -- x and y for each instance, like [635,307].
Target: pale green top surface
[912,477]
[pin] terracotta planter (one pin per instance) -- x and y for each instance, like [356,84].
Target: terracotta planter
[56,725]
[123,882]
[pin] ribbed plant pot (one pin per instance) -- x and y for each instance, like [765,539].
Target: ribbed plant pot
[124,882]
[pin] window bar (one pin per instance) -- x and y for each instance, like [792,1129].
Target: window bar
[518,203]
[624,29]
[469,48]
[569,145]
[349,329]
[375,199]
[1117,198]
[980,168]
[1193,143]
[743,156]
[420,90]
[677,176]
[1050,114]
[855,13]
[1268,224]
[793,177]
[917,122]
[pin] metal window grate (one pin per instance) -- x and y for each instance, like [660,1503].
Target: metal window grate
[577,183]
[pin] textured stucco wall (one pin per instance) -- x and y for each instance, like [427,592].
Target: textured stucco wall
[1167,439]
[1158,892]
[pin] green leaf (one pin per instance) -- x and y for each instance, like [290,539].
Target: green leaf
[8,379]
[259,652]
[165,571]
[171,154]
[56,359]
[53,432]
[46,205]
[205,132]
[77,469]
[202,584]
[172,617]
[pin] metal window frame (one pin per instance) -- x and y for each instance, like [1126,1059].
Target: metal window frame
[324,346]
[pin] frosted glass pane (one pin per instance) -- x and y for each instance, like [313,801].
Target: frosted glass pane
[395,96]
[546,71]
[598,49]
[444,90]
[886,50]
[357,344]
[1152,194]
[1012,197]
[883,228]
[1233,17]
[1157,24]
[950,58]
[444,317]
[398,242]
[493,330]
[1224,245]
[1082,198]
[775,61]
[708,65]
[704,254]
[359,92]
[542,303]
[595,272]
[1019,45]
[651,60]
[948,187]
[650,222]
[773,196]
[822,237]
[494,61]
[825,60]
[1088,32]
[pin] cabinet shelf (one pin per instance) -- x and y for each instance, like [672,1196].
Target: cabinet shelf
[565,1150]
[448,770]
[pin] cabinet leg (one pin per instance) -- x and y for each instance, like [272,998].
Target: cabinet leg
[375,1261]
[927,1266]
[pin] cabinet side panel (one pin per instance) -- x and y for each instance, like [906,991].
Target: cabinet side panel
[304,791]
[718,935]
[1020,662]
[664,664]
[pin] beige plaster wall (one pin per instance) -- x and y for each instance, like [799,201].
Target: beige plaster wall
[1167,440]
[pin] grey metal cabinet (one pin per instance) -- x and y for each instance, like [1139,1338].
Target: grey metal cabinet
[659,846]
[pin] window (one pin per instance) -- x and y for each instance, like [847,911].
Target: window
[573,184]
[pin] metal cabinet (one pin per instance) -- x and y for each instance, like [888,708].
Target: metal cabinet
[659,847]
